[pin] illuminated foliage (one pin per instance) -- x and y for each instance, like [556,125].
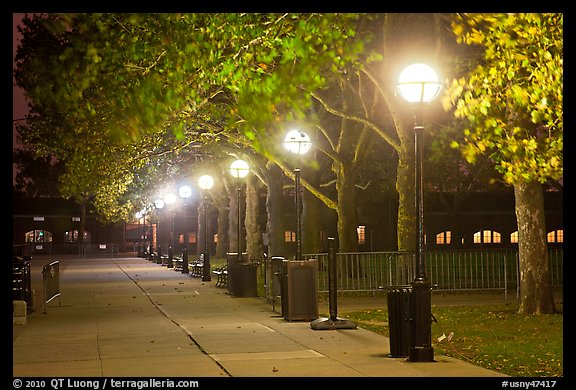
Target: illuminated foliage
[513,98]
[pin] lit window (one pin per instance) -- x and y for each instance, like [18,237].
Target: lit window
[487,237]
[289,236]
[514,237]
[496,238]
[555,236]
[192,238]
[216,237]
[71,236]
[477,238]
[361,230]
[38,236]
[444,237]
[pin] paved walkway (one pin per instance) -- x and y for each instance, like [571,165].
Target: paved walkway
[128,317]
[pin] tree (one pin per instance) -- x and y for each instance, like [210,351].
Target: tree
[236,79]
[513,102]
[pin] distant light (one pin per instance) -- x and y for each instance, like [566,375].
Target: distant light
[185,192]
[206,182]
[170,198]
[239,169]
[297,142]
[418,83]
[159,203]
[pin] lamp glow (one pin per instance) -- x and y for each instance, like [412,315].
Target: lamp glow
[206,182]
[170,198]
[185,192]
[297,142]
[418,83]
[159,203]
[239,169]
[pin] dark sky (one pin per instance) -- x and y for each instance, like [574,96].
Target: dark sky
[19,107]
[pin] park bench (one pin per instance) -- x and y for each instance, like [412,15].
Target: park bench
[177,262]
[221,274]
[197,266]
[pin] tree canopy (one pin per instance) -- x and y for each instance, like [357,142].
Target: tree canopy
[513,98]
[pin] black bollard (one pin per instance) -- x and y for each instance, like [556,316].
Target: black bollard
[333,322]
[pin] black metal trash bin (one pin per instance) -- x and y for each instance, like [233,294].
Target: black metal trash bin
[399,319]
[242,279]
[21,281]
[276,263]
[299,290]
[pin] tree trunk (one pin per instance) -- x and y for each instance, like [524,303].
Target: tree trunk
[82,226]
[254,242]
[536,296]
[233,217]
[274,202]
[405,185]
[311,215]
[223,221]
[201,230]
[347,216]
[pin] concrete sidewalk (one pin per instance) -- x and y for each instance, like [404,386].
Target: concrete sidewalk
[128,317]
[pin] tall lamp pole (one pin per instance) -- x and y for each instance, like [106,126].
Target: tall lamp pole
[185,192]
[206,182]
[297,142]
[139,217]
[419,84]
[239,169]
[159,204]
[170,199]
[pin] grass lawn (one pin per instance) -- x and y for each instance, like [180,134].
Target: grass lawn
[491,336]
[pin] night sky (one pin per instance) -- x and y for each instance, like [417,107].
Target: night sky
[19,107]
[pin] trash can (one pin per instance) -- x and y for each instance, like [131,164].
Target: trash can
[299,290]
[242,276]
[276,263]
[399,319]
[21,281]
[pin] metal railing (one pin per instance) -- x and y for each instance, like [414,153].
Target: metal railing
[457,270]
[85,250]
[51,282]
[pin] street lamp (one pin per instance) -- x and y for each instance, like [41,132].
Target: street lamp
[159,204]
[185,192]
[297,142]
[138,216]
[170,199]
[419,84]
[206,182]
[239,169]
[142,236]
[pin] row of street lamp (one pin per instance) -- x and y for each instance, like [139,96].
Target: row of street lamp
[296,142]
[417,84]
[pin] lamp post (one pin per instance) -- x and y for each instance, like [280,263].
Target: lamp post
[170,199]
[150,237]
[239,169]
[159,204]
[297,142]
[418,84]
[206,182]
[185,192]
[139,246]
[141,215]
